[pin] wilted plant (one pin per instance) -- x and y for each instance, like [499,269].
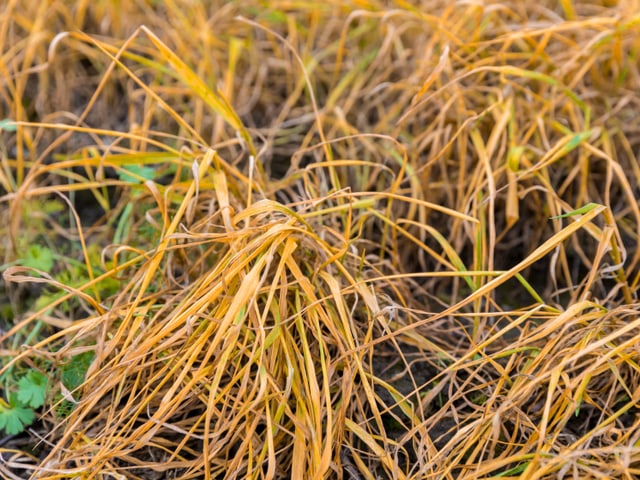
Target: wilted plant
[317,241]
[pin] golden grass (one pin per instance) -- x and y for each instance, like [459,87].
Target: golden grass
[348,240]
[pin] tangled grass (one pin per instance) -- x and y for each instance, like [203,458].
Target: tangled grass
[348,240]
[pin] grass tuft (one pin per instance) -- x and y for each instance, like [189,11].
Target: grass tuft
[351,240]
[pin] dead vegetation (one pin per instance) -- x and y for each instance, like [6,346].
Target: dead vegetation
[348,240]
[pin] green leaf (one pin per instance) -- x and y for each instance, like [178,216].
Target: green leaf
[124,224]
[15,417]
[8,125]
[38,257]
[580,211]
[32,389]
[577,140]
[73,372]
[138,172]
[515,470]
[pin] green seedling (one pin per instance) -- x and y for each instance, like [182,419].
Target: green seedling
[14,416]
[32,390]
[17,412]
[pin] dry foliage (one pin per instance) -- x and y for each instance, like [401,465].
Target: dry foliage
[329,239]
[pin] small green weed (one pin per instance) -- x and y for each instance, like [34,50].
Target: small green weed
[28,393]
[30,390]
[14,416]
[17,412]
[26,388]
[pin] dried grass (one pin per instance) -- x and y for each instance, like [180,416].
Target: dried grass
[372,239]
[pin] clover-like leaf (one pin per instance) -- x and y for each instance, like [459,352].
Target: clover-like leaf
[14,417]
[32,389]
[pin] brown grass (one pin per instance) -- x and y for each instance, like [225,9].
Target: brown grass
[348,240]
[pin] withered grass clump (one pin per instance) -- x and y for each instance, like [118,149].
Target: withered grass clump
[348,240]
